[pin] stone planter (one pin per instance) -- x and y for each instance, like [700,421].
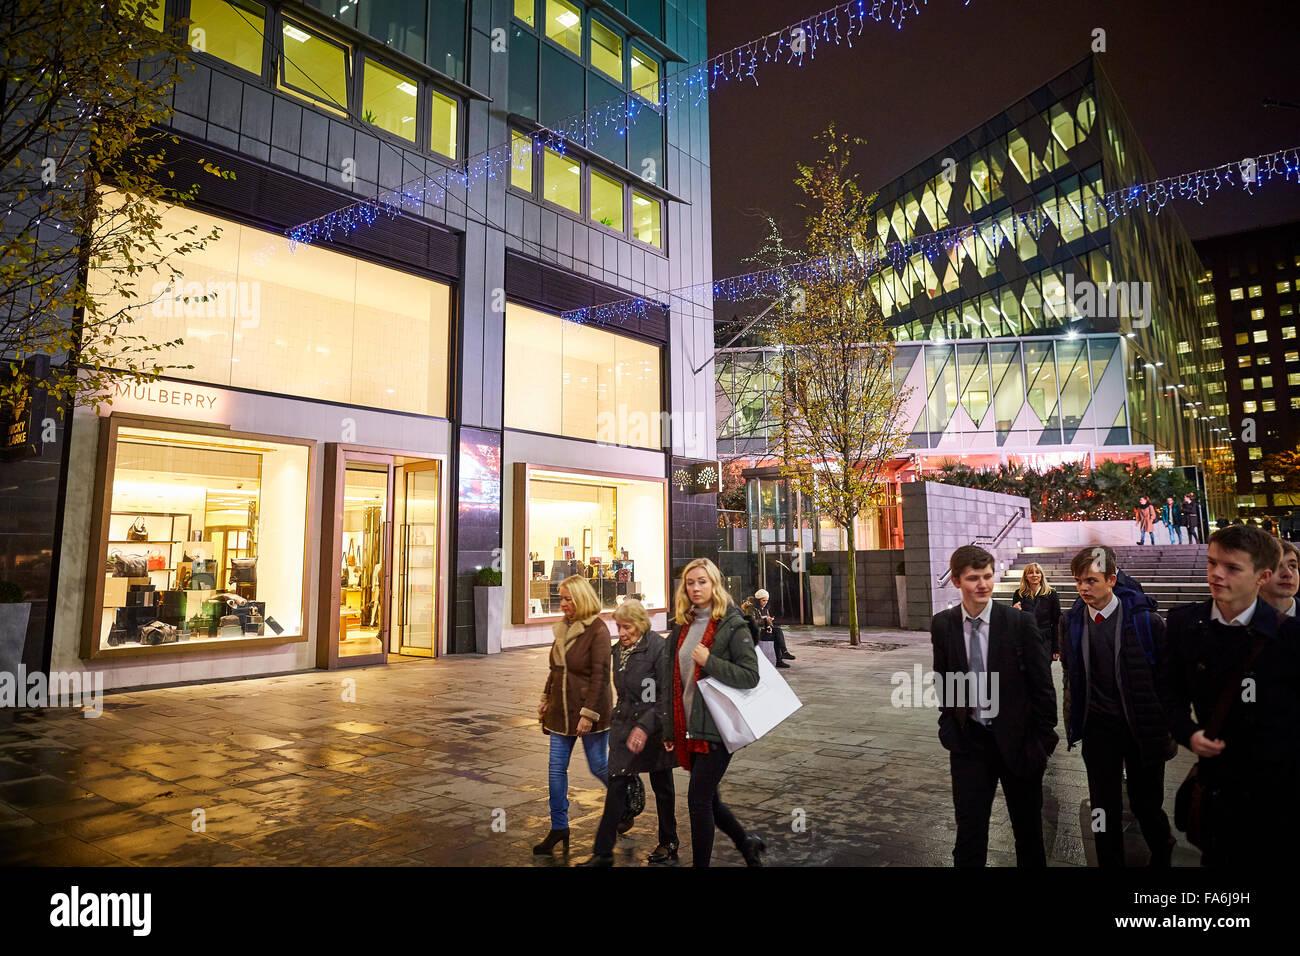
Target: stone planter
[13,638]
[820,585]
[900,588]
[489,613]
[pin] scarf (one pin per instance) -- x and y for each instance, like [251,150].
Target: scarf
[683,746]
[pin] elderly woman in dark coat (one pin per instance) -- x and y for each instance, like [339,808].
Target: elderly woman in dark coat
[638,742]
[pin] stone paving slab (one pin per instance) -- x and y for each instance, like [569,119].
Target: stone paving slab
[434,758]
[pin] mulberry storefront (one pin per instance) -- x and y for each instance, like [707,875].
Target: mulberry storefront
[282,504]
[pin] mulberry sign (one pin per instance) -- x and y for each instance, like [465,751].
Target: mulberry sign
[165,396]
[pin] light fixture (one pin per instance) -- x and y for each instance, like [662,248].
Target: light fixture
[407,88]
[567,19]
[640,200]
[302,36]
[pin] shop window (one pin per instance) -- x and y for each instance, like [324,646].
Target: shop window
[609,529]
[606,201]
[607,51]
[526,10]
[521,161]
[314,68]
[646,215]
[389,100]
[230,31]
[317,324]
[563,378]
[447,37]
[645,74]
[442,138]
[562,180]
[564,25]
[202,540]
[398,24]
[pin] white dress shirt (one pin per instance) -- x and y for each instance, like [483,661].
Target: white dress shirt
[986,616]
[1242,619]
[1105,612]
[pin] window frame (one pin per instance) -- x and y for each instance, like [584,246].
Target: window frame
[624,57]
[363,59]
[270,14]
[581,212]
[662,248]
[431,91]
[587,179]
[534,165]
[350,53]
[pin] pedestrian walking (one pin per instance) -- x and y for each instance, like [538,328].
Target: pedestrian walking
[990,737]
[1191,519]
[640,739]
[709,638]
[1280,589]
[1040,600]
[1171,515]
[1145,513]
[577,700]
[1238,803]
[1114,643]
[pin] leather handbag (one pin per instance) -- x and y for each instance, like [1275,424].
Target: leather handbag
[137,531]
[130,565]
[1194,801]
[231,626]
[156,632]
[156,561]
[243,570]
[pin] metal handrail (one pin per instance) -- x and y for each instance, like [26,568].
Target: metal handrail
[945,577]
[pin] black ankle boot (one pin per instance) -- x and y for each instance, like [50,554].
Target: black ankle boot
[555,836]
[752,850]
[664,853]
[599,859]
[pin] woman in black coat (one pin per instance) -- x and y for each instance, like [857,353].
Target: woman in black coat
[1037,598]
[639,738]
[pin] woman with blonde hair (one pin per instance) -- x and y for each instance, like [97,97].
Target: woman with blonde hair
[577,700]
[1038,599]
[637,736]
[709,638]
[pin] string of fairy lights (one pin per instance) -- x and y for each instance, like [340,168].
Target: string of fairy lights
[1249,175]
[794,44]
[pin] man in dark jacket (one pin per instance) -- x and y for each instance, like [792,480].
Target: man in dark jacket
[1113,642]
[997,711]
[1235,652]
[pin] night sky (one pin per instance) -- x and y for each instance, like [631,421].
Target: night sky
[1191,74]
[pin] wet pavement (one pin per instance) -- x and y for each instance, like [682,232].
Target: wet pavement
[443,763]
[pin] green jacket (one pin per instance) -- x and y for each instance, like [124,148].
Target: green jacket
[732,661]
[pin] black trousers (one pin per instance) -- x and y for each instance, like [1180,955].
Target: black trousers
[1109,753]
[777,637]
[661,781]
[975,777]
[1252,822]
[706,809]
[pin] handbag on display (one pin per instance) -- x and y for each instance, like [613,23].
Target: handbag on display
[117,635]
[130,565]
[156,561]
[352,555]
[230,626]
[243,570]
[156,632]
[137,531]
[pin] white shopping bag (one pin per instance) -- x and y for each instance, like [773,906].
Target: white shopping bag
[742,716]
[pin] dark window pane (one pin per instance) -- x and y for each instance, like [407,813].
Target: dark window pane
[649,14]
[645,144]
[398,23]
[447,37]
[604,104]
[344,11]
[523,72]
[562,87]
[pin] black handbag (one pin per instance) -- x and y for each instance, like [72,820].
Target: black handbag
[635,796]
[243,570]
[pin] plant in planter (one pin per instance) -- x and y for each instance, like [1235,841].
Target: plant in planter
[819,583]
[489,610]
[14,612]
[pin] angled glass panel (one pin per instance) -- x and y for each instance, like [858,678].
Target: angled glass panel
[1008,386]
[973,370]
[941,387]
[1040,379]
[1076,390]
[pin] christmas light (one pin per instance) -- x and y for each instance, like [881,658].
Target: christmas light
[1249,174]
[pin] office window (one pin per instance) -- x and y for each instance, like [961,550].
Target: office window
[389,100]
[1247,384]
[1256,477]
[1211,343]
[1257,314]
[1243,361]
[523,72]
[1286,309]
[230,31]
[1292,357]
[1243,338]
[1255,452]
[564,25]
[398,24]
[521,161]
[562,180]
[649,14]
[1268,405]
[1266,381]
[1262,360]
[1255,291]
[1249,407]
[154,16]
[646,214]
[1295,401]
[1261,335]
[526,10]
[607,139]
[1236,294]
[314,68]
[1293,378]
[645,74]
[442,137]
[607,51]
[447,37]
[606,201]
[1288,331]
[563,93]
[1284,286]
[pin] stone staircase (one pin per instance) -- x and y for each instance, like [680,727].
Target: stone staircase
[1172,573]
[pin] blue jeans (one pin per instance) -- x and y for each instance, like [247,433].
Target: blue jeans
[1144,534]
[1173,533]
[597,748]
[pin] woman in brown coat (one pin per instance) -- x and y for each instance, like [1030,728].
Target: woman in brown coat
[578,699]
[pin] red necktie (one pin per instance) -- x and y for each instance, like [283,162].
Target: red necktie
[1100,617]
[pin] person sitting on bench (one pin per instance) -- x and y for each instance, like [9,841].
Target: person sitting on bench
[768,630]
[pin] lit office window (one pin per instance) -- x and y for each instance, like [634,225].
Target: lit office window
[1268,405]
[1256,291]
[1249,407]
[154,14]
[442,138]
[521,161]
[1243,338]
[314,68]
[1295,402]
[1256,452]
[1243,361]
[1261,335]
[1293,378]
[606,201]
[389,100]
[230,31]
[1288,331]
[646,214]
[1257,314]
[1236,294]
[564,25]
[1292,357]
[562,181]
[645,74]
[526,10]
[1257,477]
[1248,384]
[607,51]
[1262,360]
[1284,286]
[1266,381]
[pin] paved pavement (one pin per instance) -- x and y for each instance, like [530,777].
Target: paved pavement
[442,762]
